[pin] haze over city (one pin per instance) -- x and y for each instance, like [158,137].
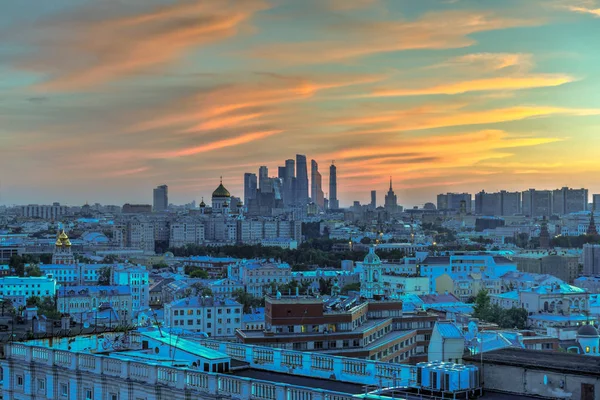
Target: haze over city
[102,102]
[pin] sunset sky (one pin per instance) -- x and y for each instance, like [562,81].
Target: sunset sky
[102,100]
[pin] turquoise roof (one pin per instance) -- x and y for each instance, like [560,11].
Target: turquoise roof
[185,345]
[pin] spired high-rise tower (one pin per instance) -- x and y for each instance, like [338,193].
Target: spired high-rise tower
[333,200]
[316,186]
[391,200]
[301,180]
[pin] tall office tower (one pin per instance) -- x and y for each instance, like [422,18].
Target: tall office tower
[316,187]
[250,187]
[289,183]
[497,204]
[301,180]
[161,198]
[596,202]
[281,172]
[567,200]
[537,203]
[334,204]
[373,199]
[453,201]
[263,176]
[591,259]
[391,200]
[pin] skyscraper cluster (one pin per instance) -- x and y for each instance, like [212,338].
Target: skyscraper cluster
[291,186]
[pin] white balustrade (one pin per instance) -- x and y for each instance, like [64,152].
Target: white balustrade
[264,391]
[87,362]
[229,385]
[62,358]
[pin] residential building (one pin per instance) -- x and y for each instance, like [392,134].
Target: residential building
[563,266]
[225,287]
[161,198]
[217,317]
[263,177]
[136,277]
[567,200]
[537,203]
[152,364]
[344,326]
[373,204]
[51,212]
[78,301]
[557,298]
[258,276]
[136,208]
[502,203]
[591,259]
[215,266]
[18,289]
[493,266]
[447,343]
[454,202]
[186,231]
[465,286]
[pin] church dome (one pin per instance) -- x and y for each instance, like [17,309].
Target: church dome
[221,192]
[587,330]
[372,258]
[202,204]
[58,242]
[63,236]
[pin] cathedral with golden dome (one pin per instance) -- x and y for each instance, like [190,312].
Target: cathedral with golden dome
[63,253]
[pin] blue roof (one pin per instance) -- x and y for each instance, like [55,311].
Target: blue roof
[449,330]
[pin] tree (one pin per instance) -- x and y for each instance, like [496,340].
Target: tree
[33,270]
[104,276]
[247,300]
[351,287]
[6,305]
[160,265]
[199,273]
[482,308]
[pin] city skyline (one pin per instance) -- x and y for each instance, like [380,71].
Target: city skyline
[103,103]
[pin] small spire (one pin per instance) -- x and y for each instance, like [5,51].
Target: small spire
[221,178]
[391,183]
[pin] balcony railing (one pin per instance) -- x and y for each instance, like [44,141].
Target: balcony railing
[207,383]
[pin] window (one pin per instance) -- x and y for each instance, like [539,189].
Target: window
[290,328]
[19,380]
[113,396]
[318,345]
[64,390]
[41,385]
[88,394]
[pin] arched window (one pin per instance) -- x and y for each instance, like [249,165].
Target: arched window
[587,349]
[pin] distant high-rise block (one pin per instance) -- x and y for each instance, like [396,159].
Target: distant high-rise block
[537,203]
[502,203]
[316,186]
[250,187]
[373,199]
[301,180]
[567,200]
[161,198]
[591,259]
[333,200]
[453,201]
[596,202]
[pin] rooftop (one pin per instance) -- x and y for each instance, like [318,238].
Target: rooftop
[541,360]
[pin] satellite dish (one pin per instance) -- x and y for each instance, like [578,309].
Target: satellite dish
[546,380]
[473,328]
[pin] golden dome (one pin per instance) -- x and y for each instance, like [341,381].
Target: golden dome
[67,242]
[221,192]
[202,203]
[63,235]
[58,242]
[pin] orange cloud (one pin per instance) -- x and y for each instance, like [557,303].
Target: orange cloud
[490,61]
[234,141]
[480,85]
[81,54]
[436,30]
